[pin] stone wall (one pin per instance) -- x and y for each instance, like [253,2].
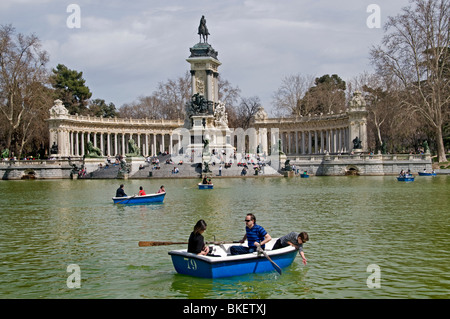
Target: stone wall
[336,165]
[37,169]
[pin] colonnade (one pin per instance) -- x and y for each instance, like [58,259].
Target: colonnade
[111,144]
[332,134]
[320,141]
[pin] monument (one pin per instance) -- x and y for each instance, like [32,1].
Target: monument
[206,117]
[358,123]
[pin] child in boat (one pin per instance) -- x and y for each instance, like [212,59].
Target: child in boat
[141,191]
[295,240]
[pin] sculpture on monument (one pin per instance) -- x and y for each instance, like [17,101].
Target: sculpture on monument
[133,149]
[203,30]
[357,143]
[54,148]
[357,100]
[199,104]
[93,151]
[220,115]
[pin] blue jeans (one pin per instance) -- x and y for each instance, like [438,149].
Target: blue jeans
[239,250]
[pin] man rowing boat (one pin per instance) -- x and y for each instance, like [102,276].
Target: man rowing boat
[120,192]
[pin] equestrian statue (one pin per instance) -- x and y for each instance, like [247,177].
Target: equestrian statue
[203,30]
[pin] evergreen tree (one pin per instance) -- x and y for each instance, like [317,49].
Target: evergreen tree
[71,89]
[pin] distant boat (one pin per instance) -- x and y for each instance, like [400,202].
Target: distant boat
[223,264]
[406,178]
[136,199]
[426,174]
[205,186]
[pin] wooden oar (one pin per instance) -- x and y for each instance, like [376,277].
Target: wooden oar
[277,268]
[126,199]
[160,243]
[165,243]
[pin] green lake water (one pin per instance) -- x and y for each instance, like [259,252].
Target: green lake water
[353,222]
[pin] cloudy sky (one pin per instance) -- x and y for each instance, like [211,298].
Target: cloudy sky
[125,48]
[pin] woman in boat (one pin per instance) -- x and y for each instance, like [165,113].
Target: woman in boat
[196,244]
[141,191]
[295,240]
[161,189]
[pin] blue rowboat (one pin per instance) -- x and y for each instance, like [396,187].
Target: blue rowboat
[304,175]
[222,264]
[407,178]
[205,186]
[136,199]
[426,174]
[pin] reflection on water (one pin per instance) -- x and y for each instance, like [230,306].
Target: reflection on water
[353,222]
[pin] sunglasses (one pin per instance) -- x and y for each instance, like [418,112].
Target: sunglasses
[248,220]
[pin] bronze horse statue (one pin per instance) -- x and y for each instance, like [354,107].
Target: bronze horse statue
[203,30]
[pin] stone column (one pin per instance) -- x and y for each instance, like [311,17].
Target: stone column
[123,144]
[146,145]
[139,142]
[82,144]
[309,142]
[94,135]
[303,143]
[322,145]
[108,141]
[116,151]
[315,143]
[77,144]
[101,144]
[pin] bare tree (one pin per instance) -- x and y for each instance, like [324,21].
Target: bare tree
[230,96]
[287,100]
[246,111]
[328,95]
[382,104]
[173,95]
[415,50]
[145,107]
[23,95]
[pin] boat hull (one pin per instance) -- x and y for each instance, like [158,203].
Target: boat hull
[427,174]
[304,175]
[145,199]
[205,186]
[405,179]
[230,265]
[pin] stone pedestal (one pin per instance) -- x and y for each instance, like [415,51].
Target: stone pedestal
[206,118]
[91,164]
[135,163]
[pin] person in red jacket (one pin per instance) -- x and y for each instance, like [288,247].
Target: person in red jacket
[141,191]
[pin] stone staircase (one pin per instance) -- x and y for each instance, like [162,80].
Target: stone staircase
[104,173]
[186,170]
